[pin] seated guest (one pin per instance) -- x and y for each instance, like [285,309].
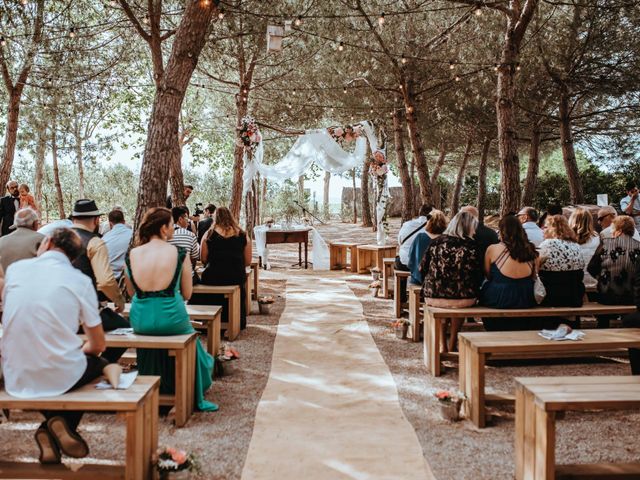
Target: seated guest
[485,236]
[581,222]
[24,241]
[528,217]
[45,299]
[561,264]
[605,219]
[553,209]
[182,236]
[633,321]
[206,222]
[158,276]
[106,225]
[614,265]
[226,252]
[48,229]
[407,234]
[510,267]
[117,240]
[436,224]
[451,269]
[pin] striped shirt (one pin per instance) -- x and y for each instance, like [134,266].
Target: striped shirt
[186,239]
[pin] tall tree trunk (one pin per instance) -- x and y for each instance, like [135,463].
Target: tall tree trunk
[176,180]
[455,197]
[10,138]
[364,193]
[79,155]
[518,18]
[54,155]
[438,166]
[482,178]
[415,139]
[238,162]
[403,168]
[162,138]
[355,196]
[534,164]
[568,151]
[325,195]
[41,153]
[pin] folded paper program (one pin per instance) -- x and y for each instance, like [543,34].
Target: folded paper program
[126,380]
[563,332]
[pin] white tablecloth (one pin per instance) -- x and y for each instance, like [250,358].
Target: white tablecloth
[319,248]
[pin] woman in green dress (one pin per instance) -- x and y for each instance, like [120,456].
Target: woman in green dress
[158,275]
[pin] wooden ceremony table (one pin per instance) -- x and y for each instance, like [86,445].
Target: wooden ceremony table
[297,235]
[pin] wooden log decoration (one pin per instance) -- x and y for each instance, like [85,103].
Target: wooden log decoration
[275,34]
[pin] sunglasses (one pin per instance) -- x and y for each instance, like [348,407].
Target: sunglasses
[604,216]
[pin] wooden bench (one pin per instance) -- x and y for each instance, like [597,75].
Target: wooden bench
[477,347]
[232,295]
[338,256]
[414,312]
[256,275]
[247,288]
[387,273]
[398,275]
[139,407]
[183,348]
[433,317]
[370,256]
[202,317]
[539,401]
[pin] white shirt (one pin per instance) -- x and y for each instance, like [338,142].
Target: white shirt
[117,241]
[608,233]
[48,229]
[45,301]
[186,239]
[534,233]
[624,204]
[588,249]
[407,228]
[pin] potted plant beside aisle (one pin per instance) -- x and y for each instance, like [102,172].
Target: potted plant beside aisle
[450,404]
[174,464]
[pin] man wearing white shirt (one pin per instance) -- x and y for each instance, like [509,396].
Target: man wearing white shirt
[528,217]
[605,219]
[630,204]
[46,300]
[407,234]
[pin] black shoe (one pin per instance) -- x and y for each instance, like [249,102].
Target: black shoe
[49,451]
[69,442]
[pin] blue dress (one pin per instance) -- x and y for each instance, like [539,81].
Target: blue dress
[418,247]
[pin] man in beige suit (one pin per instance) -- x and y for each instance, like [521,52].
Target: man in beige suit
[24,241]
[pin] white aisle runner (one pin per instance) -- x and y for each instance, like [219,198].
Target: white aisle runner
[330,409]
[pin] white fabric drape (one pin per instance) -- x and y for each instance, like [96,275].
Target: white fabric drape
[319,248]
[315,146]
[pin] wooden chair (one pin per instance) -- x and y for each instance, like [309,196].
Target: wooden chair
[477,347]
[139,407]
[433,317]
[540,401]
[232,295]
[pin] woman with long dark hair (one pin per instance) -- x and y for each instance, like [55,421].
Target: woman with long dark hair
[158,275]
[510,267]
[226,252]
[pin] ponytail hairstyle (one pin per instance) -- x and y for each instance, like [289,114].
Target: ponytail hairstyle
[152,222]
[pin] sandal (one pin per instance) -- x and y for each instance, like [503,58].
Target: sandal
[69,442]
[49,451]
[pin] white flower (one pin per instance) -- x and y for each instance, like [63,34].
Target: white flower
[167,464]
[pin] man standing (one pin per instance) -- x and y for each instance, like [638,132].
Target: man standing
[117,240]
[187,191]
[605,219]
[528,217]
[9,205]
[182,236]
[24,242]
[206,222]
[630,204]
[45,300]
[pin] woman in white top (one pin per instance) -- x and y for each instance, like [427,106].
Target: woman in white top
[581,222]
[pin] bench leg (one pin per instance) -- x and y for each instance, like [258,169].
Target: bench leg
[215,334]
[255,282]
[233,329]
[520,428]
[529,437]
[353,259]
[185,379]
[545,444]
[247,297]
[397,302]
[134,468]
[385,282]
[414,315]
[474,367]
[150,432]
[432,335]
[462,377]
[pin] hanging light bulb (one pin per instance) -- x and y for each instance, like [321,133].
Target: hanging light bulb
[294,91]
[3,41]
[344,90]
[72,32]
[221,13]
[333,110]
[404,60]
[518,67]
[298,21]
[495,67]
[478,11]
[457,78]
[371,111]
[381,19]
[145,20]
[341,46]
[452,65]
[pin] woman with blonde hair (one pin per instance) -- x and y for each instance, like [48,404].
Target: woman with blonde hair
[158,275]
[225,252]
[561,264]
[436,224]
[581,221]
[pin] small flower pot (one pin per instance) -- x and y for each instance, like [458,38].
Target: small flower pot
[179,475]
[264,308]
[375,275]
[401,331]
[450,410]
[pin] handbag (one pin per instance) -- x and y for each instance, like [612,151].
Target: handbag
[539,292]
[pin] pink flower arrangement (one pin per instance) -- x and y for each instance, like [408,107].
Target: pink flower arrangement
[446,396]
[378,165]
[173,460]
[347,133]
[250,135]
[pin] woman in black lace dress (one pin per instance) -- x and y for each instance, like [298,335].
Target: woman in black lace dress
[225,251]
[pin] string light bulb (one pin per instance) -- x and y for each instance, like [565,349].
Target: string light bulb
[518,67]
[298,21]
[3,41]
[341,46]
[404,60]
[145,20]
[344,90]
[72,32]
[221,14]
[294,91]
[452,65]
[495,67]
[381,19]
[478,11]
[457,78]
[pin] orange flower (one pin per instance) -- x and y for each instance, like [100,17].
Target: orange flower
[179,457]
[443,395]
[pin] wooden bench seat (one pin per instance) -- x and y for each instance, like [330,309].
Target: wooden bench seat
[139,407]
[477,347]
[202,317]
[183,348]
[538,403]
[338,256]
[387,274]
[232,295]
[414,292]
[371,256]
[398,275]
[433,317]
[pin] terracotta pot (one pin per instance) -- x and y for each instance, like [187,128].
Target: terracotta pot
[401,331]
[450,410]
[264,308]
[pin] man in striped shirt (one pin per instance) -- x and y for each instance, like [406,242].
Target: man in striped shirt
[182,236]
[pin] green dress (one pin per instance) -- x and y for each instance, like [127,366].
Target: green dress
[163,313]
